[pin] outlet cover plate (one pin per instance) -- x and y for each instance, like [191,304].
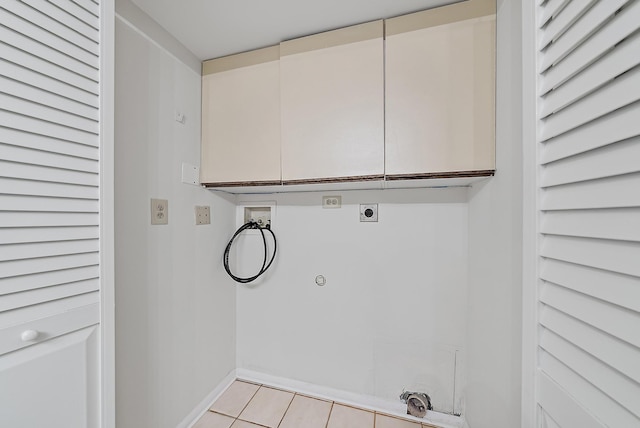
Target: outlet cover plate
[190,174]
[159,211]
[369,212]
[203,214]
[331,201]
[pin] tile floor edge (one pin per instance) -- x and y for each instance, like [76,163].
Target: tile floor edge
[366,402]
[192,418]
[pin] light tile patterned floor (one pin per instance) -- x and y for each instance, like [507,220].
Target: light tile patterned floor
[247,405]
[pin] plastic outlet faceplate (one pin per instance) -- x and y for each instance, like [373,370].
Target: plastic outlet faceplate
[369,212]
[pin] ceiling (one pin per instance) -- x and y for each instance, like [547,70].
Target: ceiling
[214,28]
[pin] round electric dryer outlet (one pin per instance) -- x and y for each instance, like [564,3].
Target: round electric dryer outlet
[369,212]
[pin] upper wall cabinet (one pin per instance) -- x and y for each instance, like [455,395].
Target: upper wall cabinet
[332,105]
[241,119]
[439,92]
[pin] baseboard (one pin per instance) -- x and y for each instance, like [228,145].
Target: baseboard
[204,405]
[390,407]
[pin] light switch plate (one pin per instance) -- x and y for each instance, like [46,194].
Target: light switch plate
[159,211]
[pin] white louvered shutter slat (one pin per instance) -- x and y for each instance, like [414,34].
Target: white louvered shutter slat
[619,93]
[29,250]
[38,80]
[613,383]
[13,236]
[39,157]
[618,191]
[43,67]
[46,309]
[51,279]
[49,205]
[577,33]
[39,111]
[622,224]
[42,20]
[31,24]
[588,214]
[11,186]
[595,406]
[47,174]
[608,161]
[89,5]
[47,264]
[618,256]
[38,219]
[33,297]
[564,20]
[78,12]
[613,127]
[47,99]
[65,18]
[40,126]
[49,153]
[31,140]
[621,290]
[577,58]
[620,60]
[551,9]
[596,313]
[613,352]
[26,44]
[566,413]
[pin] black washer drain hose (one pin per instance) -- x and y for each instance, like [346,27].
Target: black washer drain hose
[251,225]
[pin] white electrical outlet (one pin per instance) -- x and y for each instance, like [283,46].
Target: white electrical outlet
[203,214]
[159,211]
[331,201]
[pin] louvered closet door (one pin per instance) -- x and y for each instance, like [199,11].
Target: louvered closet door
[589,213]
[49,213]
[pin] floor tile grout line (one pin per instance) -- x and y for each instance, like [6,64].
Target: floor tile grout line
[245,406]
[285,412]
[329,417]
[252,423]
[252,397]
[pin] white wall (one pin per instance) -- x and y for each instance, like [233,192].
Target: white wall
[391,315]
[495,252]
[175,307]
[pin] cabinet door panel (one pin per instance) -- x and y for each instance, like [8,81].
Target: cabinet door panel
[241,125]
[333,110]
[440,107]
[53,383]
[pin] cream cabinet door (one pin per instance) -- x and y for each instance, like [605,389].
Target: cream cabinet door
[440,86]
[241,119]
[332,105]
